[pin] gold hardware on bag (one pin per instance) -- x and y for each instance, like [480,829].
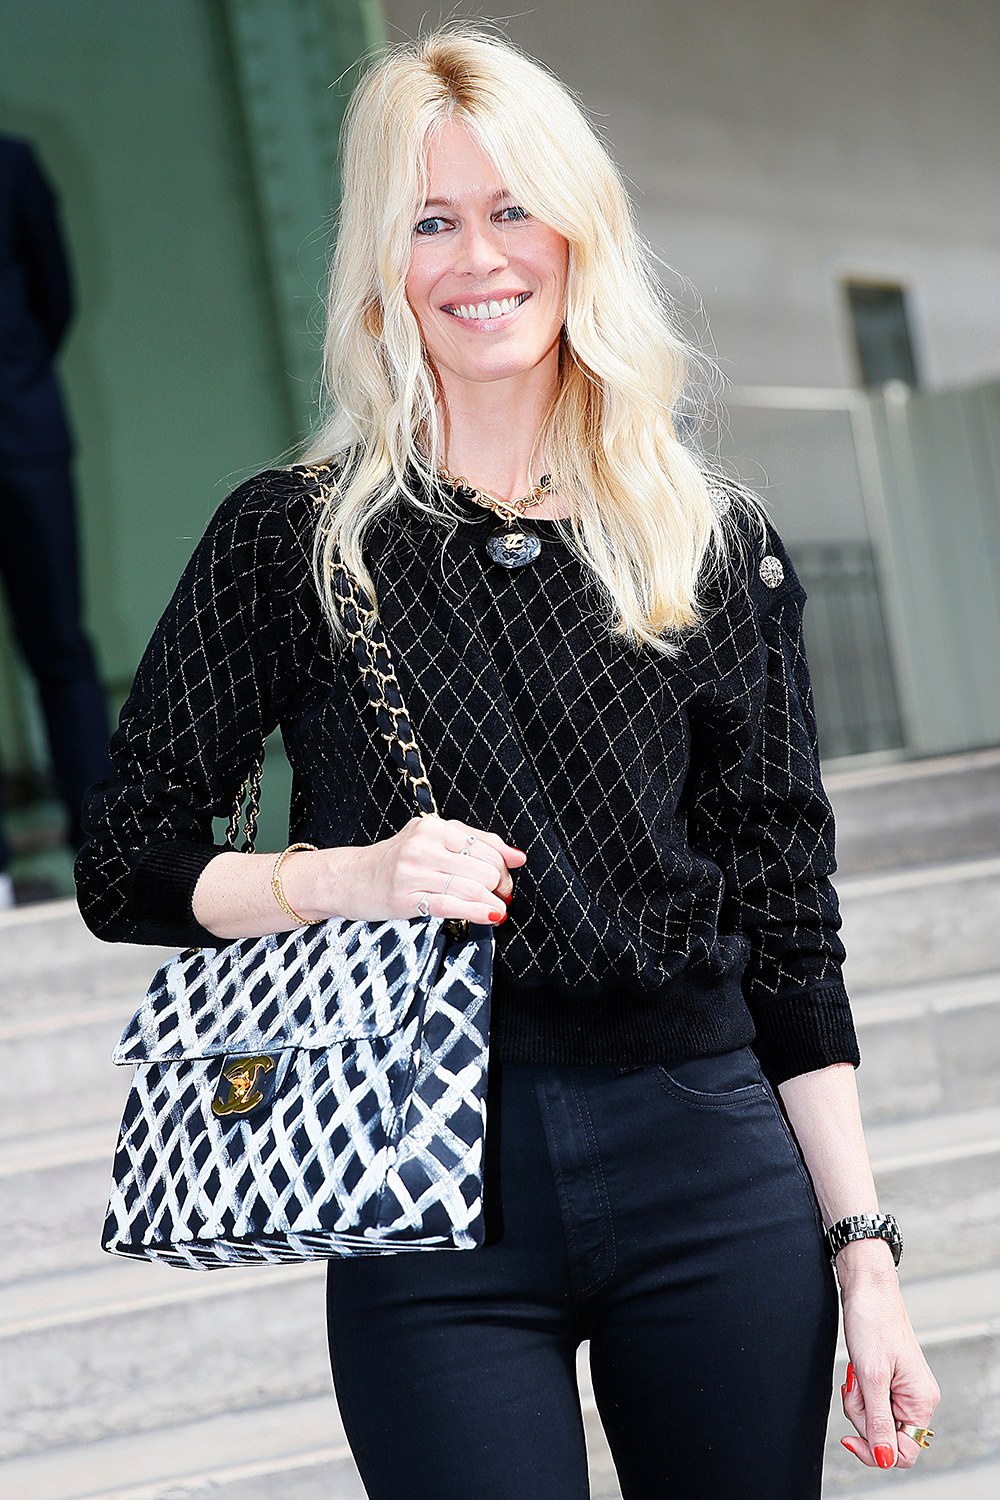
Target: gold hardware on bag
[242,1077]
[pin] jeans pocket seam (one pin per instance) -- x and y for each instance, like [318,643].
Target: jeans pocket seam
[751,1093]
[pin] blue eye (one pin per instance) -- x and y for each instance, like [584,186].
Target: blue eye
[429,226]
[512,214]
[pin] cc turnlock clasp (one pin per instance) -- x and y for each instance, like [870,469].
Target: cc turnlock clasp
[244,1095]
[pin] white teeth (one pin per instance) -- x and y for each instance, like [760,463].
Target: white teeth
[483,310]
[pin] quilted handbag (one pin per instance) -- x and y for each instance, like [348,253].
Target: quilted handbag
[314,1093]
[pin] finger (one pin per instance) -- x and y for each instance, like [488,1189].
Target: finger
[880,1424]
[493,875]
[488,913]
[433,848]
[849,1388]
[854,1406]
[513,857]
[859,1448]
[491,850]
[465,886]
[854,1411]
[463,837]
[449,875]
[909,1451]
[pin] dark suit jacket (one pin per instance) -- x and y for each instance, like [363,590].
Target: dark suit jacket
[35,309]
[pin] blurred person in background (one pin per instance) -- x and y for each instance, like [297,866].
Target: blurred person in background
[39,554]
[600,641]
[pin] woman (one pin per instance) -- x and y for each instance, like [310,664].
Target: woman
[615,708]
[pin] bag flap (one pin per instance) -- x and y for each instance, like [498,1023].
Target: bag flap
[336,982]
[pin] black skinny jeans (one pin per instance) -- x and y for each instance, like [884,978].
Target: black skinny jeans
[663,1214]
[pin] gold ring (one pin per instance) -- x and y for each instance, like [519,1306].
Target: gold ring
[919,1435]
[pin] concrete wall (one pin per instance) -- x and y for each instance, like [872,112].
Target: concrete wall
[777,146]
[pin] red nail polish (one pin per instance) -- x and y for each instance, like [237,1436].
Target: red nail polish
[846,1443]
[885,1457]
[852,1379]
[843,1392]
[498,916]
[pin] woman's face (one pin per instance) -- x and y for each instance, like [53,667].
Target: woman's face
[487,282]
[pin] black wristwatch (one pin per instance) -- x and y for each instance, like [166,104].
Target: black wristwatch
[865,1227]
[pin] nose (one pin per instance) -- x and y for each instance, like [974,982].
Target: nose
[482,249]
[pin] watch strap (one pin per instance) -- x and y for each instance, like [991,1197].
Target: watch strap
[864,1227]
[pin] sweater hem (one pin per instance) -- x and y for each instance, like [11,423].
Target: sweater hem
[618,1025]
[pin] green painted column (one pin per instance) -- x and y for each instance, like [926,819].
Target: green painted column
[296,64]
[192,146]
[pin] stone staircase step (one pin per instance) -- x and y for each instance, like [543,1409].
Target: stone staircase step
[933,921]
[58,1070]
[53,1194]
[929,1046]
[132,1347]
[979,1483]
[51,962]
[287,1443]
[940,1176]
[916,812]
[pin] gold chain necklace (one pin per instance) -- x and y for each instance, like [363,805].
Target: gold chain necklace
[511,547]
[507,510]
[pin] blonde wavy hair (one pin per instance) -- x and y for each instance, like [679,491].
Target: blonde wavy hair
[642,516]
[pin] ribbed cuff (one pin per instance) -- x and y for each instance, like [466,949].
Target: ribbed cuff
[163,885]
[801,1032]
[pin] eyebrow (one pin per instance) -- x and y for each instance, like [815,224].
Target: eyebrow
[450,202]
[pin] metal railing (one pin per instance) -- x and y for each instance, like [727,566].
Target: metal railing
[856,705]
[798,446]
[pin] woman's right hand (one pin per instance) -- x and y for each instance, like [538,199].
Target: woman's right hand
[459,871]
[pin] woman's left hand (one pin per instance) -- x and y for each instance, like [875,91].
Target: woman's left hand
[888,1379]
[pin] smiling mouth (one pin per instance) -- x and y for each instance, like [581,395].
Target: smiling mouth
[481,312]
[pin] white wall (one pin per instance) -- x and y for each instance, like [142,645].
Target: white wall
[777,146]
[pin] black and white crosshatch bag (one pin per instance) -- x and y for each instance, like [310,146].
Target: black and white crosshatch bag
[314,1093]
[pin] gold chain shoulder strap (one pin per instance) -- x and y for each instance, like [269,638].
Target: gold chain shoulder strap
[378,673]
[371,652]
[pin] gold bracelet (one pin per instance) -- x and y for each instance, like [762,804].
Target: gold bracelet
[276,887]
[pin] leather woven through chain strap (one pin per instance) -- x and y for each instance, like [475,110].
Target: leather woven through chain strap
[249,793]
[371,651]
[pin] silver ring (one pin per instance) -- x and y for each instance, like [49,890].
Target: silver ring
[444,889]
[422,906]
[472,838]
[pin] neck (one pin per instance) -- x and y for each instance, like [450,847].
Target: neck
[490,428]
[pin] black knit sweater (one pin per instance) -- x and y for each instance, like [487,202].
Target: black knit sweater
[676,898]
